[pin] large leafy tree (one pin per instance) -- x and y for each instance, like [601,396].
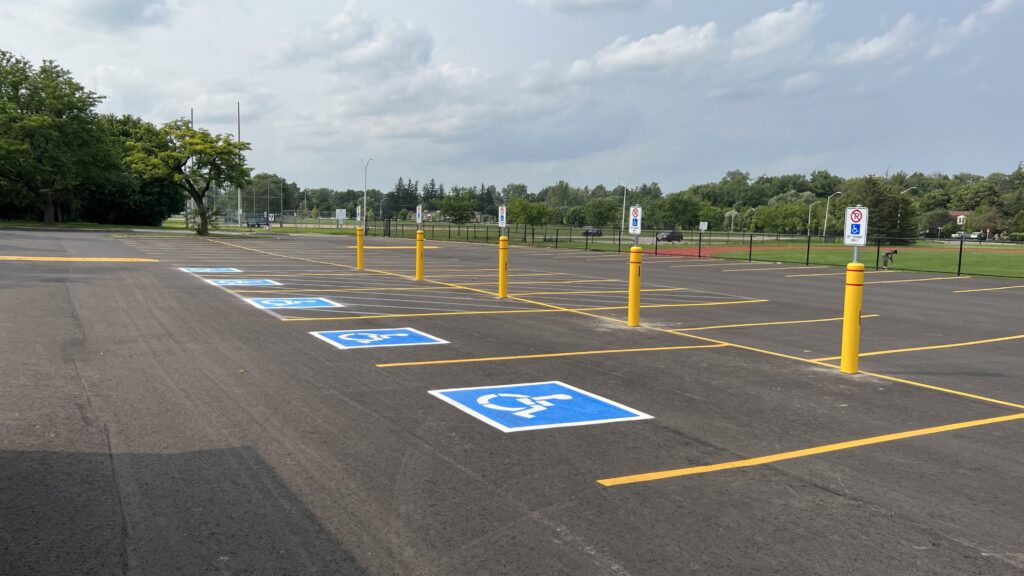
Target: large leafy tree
[459,205]
[51,146]
[195,160]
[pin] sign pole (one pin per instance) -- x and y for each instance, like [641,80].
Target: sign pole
[855,234]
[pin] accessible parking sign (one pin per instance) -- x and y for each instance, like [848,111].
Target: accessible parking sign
[536,406]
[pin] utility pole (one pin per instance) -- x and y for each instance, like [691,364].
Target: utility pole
[238,119]
[366,166]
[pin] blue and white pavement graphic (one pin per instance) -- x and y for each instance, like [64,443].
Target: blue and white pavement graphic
[210,270]
[292,303]
[377,338]
[242,282]
[536,406]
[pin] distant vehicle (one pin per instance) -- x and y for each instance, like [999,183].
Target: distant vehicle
[592,232]
[670,236]
[957,235]
[977,236]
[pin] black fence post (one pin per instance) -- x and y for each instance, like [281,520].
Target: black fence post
[960,258]
[807,261]
[700,242]
[878,251]
[586,242]
[750,249]
[556,238]
[619,249]
[655,245]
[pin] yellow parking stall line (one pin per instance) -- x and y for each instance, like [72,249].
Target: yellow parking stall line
[599,291]
[759,461]
[775,268]
[715,264]
[720,326]
[393,247]
[551,355]
[71,259]
[542,282]
[923,348]
[988,289]
[686,305]
[837,273]
[493,271]
[919,280]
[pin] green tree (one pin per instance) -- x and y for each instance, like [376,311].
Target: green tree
[459,205]
[601,212]
[523,211]
[194,160]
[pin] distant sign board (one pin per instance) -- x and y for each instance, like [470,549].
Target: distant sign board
[502,216]
[961,220]
[419,213]
[703,227]
[636,214]
[856,229]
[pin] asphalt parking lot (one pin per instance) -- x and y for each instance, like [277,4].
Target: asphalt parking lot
[155,420]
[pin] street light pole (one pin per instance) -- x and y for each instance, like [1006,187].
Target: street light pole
[623,206]
[366,166]
[824,227]
[809,216]
[899,208]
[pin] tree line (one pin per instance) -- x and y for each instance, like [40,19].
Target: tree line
[60,160]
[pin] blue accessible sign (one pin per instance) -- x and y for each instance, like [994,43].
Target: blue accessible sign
[210,270]
[536,406]
[377,338]
[292,303]
[243,282]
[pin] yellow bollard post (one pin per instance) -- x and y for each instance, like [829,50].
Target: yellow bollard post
[359,248]
[636,255]
[419,254]
[503,267]
[851,317]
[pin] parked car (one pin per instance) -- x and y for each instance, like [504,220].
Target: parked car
[592,232]
[977,236]
[670,236]
[957,235]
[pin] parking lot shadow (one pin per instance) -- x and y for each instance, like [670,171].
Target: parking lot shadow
[206,512]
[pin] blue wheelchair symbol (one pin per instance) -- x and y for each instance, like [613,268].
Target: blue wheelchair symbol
[293,303]
[210,270]
[536,406]
[243,282]
[377,338]
[636,222]
[855,229]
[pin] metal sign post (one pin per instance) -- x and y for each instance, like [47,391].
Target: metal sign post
[856,229]
[502,216]
[419,216]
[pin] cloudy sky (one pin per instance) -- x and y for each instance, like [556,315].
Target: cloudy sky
[533,91]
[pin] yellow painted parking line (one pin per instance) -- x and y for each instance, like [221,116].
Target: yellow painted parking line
[661,475]
[775,268]
[751,324]
[837,273]
[918,280]
[495,271]
[393,247]
[713,264]
[684,305]
[551,355]
[988,289]
[71,259]
[923,348]
[598,291]
[543,282]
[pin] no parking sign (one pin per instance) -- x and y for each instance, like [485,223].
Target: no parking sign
[856,229]
[636,214]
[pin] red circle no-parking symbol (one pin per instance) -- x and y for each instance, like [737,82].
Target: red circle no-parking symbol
[856,216]
[636,212]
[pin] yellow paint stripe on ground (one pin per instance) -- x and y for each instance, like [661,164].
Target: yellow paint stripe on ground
[551,355]
[71,259]
[686,305]
[988,289]
[651,476]
[918,280]
[923,348]
[494,272]
[836,273]
[542,282]
[751,324]
[774,268]
[393,247]
[599,291]
[731,263]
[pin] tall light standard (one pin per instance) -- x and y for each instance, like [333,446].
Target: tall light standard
[366,166]
[809,216]
[899,208]
[824,227]
[623,206]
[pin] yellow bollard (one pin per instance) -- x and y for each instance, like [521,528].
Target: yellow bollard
[419,254]
[503,267]
[359,248]
[636,255]
[851,317]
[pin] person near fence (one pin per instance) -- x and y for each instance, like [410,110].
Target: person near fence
[887,258]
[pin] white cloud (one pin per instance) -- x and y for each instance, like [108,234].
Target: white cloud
[588,5]
[892,43]
[775,29]
[801,82]
[947,38]
[675,45]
